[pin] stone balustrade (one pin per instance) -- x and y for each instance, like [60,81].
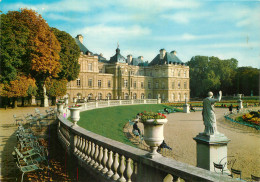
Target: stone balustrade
[109,160]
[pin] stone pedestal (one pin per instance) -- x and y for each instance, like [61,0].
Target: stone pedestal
[33,100]
[186,108]
[46,101]
[211,148]
[240,103]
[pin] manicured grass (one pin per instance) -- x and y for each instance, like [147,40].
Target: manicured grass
[109,121]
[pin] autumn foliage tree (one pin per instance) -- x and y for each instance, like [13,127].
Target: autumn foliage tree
[21,87]
[38,48]
[55,88]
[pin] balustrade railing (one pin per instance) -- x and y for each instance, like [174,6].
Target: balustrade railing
[110,160]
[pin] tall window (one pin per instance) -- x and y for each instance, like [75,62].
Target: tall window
[90,66]
[185,85]
[179,97]
[185,74]
[149,85]
[149,96]
[156,85]
[163,96]
[179,73]
[90,82]
[179,85]
[173,85]
[78,82]
[163,85]
[173,97]
[90,96]
[99,83]
[134,96]
[172,72]
[142,84]
[125,83]
[99,96]
[142,96]
[109,96]
[126,96]
[134,84]
[108,83]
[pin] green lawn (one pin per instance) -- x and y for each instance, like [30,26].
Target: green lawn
[109,121]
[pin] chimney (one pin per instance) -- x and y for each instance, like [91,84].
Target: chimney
[129,58]
[80,38]
[162,53]
[174,52]
[141,58]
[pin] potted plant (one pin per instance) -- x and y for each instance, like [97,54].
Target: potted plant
[75,113]
[153,130]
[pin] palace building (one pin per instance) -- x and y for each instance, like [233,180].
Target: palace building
[130,78]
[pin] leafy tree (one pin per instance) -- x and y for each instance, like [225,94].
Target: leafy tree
[38,48]
[55,88]
[212,74]
[247,80]
[69,55]
[21,87]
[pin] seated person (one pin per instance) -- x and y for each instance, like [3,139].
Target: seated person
[165,110]
[191,108]
[163,145]
[135,127]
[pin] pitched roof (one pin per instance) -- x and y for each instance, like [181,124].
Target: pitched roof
[101,58]
[81,46]
[169,58]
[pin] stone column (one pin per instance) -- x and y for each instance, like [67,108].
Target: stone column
[186,107]
[211,148]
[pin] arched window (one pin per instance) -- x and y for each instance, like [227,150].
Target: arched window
[185,74]
[126,96]
[134,96]
[173,85]
[79,95]
[109,96]
[185,96]
[90,96]
[173,97]
[142,96]
[99,96]
[162,96]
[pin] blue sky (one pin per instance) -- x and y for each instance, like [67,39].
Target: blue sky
[225,29]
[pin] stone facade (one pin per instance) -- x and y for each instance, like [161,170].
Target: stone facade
[121,78]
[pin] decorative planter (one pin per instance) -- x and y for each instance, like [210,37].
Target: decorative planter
[59,107]
[75,114]
[153,134]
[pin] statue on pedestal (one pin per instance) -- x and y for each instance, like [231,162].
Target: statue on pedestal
[208,113]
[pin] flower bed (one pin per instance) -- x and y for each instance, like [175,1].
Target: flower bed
[252,117]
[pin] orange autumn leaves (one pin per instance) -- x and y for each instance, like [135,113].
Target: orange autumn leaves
[20,87]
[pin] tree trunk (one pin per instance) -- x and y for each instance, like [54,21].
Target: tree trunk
[22,102]
[29,100]
[53,101]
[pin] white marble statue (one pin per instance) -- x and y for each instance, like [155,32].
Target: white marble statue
[208,113]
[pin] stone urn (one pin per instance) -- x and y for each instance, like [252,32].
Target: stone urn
[75,114]
[60,107]
[153,135]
